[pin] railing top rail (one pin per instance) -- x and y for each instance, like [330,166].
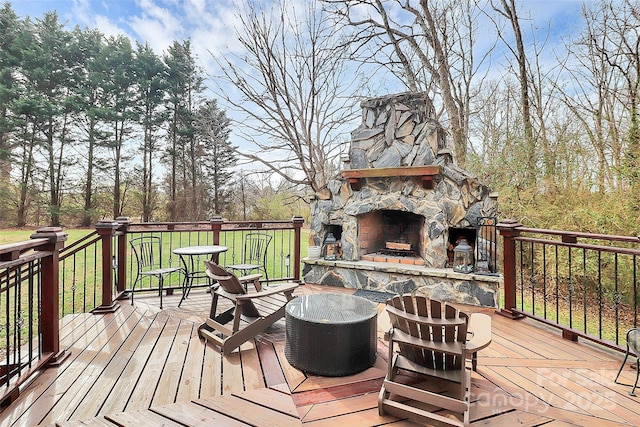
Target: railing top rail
[601,248]
[22,260]
[206,226]
[11,251]
[91,236]
[580,234]
[79,245]
[166,224]
[260,221]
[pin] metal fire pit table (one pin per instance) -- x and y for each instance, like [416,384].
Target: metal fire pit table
[331,334]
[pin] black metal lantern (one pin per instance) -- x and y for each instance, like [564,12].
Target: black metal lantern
[329,248]
[463,257]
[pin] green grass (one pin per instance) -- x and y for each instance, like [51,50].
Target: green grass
[19,235]
[603,327]
[81,275]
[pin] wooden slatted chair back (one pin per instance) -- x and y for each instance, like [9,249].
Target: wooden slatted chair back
[430,320]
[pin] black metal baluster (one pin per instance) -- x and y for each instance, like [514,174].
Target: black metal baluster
[544,280]
[600,294]
[557,288]
[616,300]
[570,287]
[584,289]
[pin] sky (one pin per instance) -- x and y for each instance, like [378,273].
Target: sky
[208,23]
[211,24]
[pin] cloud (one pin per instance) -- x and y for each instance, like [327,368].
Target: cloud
[159,26]
[108,28]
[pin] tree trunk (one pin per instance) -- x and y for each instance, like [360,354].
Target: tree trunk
[529,143]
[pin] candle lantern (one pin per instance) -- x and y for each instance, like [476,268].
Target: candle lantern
[463,257]
[329,247]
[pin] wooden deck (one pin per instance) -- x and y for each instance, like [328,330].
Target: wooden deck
[142,366]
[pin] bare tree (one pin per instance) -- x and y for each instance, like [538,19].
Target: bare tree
[508,10]
[429,46]
[620,48]
[295,91]
[589,96]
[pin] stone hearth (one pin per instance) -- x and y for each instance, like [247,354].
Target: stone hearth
[439,283]
[399,187]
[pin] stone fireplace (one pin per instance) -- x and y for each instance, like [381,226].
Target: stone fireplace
[399,207]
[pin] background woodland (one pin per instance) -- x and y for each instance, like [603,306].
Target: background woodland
[95,127]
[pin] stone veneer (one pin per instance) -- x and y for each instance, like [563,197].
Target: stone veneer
[399,131]
[438,283]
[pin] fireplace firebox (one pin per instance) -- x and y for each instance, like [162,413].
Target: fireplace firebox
[387,234]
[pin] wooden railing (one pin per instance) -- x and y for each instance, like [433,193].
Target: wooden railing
[41,280]
[584,284]
[29,306]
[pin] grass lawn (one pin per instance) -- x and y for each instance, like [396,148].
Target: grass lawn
[13,235]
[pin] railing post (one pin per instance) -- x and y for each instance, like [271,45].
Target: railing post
[216,227]
[508,230]
[50,283]
[121,257]
[106,230]
[297,224]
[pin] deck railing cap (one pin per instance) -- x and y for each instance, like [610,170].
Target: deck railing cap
[54,234]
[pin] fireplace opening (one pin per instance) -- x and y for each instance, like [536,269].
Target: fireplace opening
[336,230]
[389,234]
[455,236]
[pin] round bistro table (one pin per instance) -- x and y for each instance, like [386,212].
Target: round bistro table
[190,257]
[331,334]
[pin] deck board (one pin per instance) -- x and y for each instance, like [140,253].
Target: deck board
[148,380]
[140,418]
[249,412]
[146,366]
[293,376]
[45,397]
[193,414]
[96,362]
[93,401]
[119,395]
[271,368]
[251,369]
[211,380]
[173,366]
[189,385]
[232,380]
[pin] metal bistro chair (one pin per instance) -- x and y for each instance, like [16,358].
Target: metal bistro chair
[147,251]
[254,255]
[633,346]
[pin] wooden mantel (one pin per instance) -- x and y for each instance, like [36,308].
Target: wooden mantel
[426,174]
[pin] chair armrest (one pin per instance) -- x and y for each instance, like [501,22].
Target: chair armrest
[289,287]
[480,325]
[250,277]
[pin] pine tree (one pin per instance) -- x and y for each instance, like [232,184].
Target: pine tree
[219,157]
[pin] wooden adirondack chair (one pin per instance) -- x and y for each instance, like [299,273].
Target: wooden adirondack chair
[434,340]
[250,314]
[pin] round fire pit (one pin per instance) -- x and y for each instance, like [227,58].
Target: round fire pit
[331,334]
